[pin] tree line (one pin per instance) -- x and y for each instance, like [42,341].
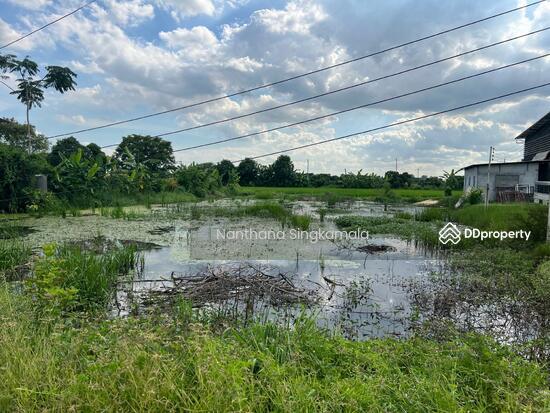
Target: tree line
[78,173]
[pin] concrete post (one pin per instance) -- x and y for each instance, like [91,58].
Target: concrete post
[42,183]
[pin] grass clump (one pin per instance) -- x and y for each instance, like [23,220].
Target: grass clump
[68,279]
[166,364]
[432,214]
[426,233]
[13,255]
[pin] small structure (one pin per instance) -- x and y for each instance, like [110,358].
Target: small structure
[526,180]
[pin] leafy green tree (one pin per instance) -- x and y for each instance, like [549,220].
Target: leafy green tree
[283,171]
[31,87]
[77,176]
[226,169]
[17,170]
[248,170]
[64,148]
[154,153]
[200,180]
[15,134]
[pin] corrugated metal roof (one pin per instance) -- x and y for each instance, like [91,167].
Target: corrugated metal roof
[535,127]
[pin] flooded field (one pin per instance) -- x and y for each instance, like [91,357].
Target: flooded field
[360,287]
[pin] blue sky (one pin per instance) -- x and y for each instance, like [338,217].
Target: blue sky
[134,57]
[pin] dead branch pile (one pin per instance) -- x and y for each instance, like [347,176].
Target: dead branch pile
[244,283]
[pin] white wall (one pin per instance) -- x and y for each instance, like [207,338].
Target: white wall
[476,176]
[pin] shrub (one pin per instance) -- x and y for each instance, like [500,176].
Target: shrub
[17,170]
[69,279]
[475,196]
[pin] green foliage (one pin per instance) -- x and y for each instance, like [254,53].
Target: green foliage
[199,180]
[175,364]
[17,170]
[425,233]
[153,153]
[78,177]
[30,86]
[283,171]
[475,196]
[13,254]
[403,215]
[16,134]
[69,279]
[248,170]
[301,222]
[505,217]
[432,214]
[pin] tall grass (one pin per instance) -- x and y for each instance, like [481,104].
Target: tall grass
[150,365]
[13,254]
[68,278]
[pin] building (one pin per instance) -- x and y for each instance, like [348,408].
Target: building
[526,179]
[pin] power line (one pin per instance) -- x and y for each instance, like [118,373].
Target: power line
[396,123]
[278,82]
[47,24]
[295,102]
[352,134]
[358,107]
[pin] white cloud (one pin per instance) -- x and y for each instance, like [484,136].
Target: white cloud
[131,12]
[31,4]
[188,8]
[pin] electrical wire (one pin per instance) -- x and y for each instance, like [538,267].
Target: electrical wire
[278,82]
[47,25]
[357,107]
[352,134]
[395,123]
[309,98]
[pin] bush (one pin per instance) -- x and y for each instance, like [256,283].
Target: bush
[69,279]
[475,196]
[17,170]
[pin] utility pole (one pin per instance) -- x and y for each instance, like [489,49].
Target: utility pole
[418,172]
[491,157]
[396,165]
[308,172]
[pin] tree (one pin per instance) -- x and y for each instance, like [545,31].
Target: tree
[226,169]
[283,171]
[154,153]
[64,148]
[15,134]
[30,87]
[248,172]
[17,170]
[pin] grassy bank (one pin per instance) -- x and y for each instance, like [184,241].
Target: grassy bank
[174,364]
[406,195]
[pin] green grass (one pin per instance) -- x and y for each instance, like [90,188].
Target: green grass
[408,195]
[68,278]
[168,364]
[13,254]
[425,233]
[505,217]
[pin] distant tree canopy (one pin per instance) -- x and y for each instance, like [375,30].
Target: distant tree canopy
[248,172]
[283,171]
[17,170]
[154,153]
[14,134]
[225,169]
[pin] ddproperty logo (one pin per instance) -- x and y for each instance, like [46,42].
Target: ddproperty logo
[449,233]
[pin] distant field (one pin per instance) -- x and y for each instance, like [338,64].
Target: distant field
[368,193]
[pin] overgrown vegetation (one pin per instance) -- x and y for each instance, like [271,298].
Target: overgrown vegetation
[68,279]
[174,363]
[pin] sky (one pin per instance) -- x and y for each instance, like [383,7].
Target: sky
[135,57]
